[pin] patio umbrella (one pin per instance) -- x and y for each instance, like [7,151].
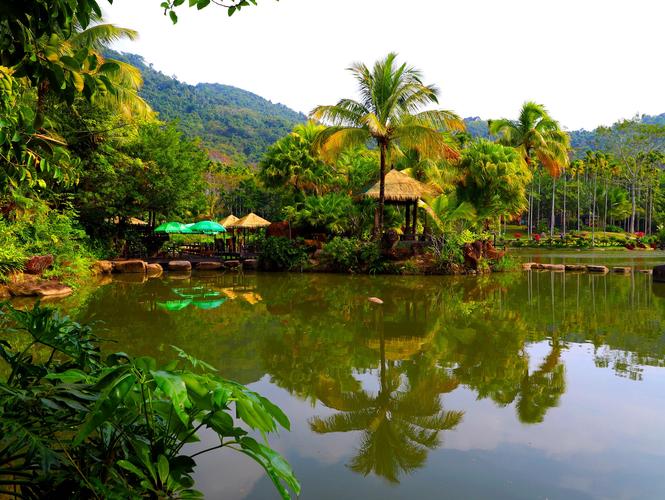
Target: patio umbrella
[208,227]
[171,228]
[174,305]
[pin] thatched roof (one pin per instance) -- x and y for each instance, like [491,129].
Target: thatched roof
[250,221]
[132,221]
[399,187]
[229,220]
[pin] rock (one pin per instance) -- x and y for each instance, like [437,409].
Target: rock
[646,271]
[102,267]
[209,266]
[575,267]
[557,268]
[129,266]
[53,290]
[375,300]
[39,289]
[4,292]
[38,264]
[527,266]
[597,269]
[130,278]
[659,274]
[231,264]
[154,270]
[180,265]
[250,263]
[622,270]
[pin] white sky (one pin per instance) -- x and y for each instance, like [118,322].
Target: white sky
[590,62]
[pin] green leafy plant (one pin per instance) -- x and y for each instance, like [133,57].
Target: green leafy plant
[74,423]
[282,254]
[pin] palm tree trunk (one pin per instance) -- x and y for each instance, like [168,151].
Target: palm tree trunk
[378,230]
[578,203]
[563,217]
[552,212]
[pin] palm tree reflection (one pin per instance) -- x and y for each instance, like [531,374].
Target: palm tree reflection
[400,423]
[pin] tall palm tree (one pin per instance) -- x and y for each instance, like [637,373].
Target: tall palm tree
[388,113]
[538,137]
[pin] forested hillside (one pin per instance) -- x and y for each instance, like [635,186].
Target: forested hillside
[234,124]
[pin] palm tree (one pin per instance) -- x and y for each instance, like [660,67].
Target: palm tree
[81,55]
[538,138]
[391,96]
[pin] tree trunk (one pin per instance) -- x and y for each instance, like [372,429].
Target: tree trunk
[378,230]
[563,216]
[633,211]
[552,212]
[578,203]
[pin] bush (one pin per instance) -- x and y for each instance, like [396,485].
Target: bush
[506,263]
[77,426]
[352,255]
[42,230]
[282,254]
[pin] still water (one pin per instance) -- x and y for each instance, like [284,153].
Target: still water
[516,385]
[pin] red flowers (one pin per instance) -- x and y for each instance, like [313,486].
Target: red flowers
[518,236]
[639,234]
[536,237]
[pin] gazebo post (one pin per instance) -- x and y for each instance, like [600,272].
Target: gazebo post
[415,218]
[408,218]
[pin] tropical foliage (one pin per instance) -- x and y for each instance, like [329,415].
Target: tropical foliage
[75,424]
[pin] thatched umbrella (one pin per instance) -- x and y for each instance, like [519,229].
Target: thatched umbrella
[250,222]
[228,221]
[400,189]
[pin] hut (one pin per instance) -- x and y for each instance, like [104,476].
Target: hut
[228,221]
[249,222]
[402,190]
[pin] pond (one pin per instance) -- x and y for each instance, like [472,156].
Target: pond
[515,385]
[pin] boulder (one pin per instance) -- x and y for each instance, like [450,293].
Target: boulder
[557,267]
[209,266]
[38,264]
[659,274]
[250,263]
[375,300]
[102,267]
[154,270]
[180,266]
[597,269]
[231,264]
[527,266]
[39,289]
[575,267]
[129,266]
[646,271]
[48,290]
[622,270]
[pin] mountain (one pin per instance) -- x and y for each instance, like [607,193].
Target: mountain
[235,125]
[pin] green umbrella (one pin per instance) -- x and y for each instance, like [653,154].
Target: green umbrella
[174,305]
[171,228]
[208,304]
[208,227]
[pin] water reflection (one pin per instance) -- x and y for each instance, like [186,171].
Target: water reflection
[389,373]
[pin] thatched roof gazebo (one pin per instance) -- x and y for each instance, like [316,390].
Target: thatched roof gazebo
[400,189]
[250,221]
[229,220]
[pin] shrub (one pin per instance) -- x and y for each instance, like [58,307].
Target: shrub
[506,263]
[352,255]
[282,254]
[42,230]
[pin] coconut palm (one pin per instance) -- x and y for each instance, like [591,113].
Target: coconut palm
[81,54]
[538,137]
[388,113]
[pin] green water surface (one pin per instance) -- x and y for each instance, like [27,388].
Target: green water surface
[515,385]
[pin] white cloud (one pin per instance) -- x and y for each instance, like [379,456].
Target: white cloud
[590,62]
